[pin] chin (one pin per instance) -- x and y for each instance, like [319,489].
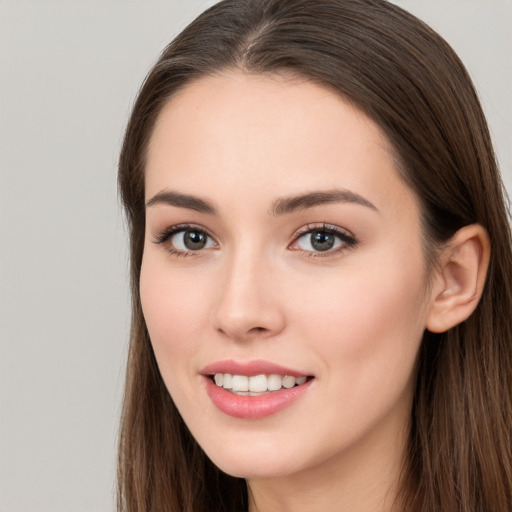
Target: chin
[250,465]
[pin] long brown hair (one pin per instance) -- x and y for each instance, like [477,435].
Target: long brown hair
[410,82]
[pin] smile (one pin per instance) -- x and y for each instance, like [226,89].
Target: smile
[255,389]
[255,385]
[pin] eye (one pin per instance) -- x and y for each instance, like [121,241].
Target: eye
[191,240]
[181,240]
[323,239]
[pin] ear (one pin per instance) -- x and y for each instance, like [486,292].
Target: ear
[460,279]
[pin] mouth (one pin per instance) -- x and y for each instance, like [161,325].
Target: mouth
[256,385]
[254,389]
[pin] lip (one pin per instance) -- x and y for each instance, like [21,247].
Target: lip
[252,407]
[249,368]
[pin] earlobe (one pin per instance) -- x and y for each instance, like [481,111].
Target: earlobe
[460,279]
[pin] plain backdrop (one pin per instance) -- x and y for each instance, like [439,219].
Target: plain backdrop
[69,72]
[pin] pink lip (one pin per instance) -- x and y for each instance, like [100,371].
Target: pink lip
[252,407]
[249,368]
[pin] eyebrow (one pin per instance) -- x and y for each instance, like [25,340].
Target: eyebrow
[171,198]
[282,206]
[311,199]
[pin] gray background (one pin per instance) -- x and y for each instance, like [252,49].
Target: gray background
[69,71]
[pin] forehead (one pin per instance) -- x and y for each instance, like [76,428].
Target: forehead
[281,135]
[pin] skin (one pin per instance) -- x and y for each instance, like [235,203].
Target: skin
[352,317]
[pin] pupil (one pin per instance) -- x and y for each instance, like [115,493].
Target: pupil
[322,241]
[194,240]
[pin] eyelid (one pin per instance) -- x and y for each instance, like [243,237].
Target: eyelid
[166,233]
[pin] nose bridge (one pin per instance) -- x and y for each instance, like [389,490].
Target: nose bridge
[248,305]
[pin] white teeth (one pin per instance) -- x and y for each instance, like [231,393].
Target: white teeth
[288,382]
[256,383]
[274,382]
[240,383]
[227,381]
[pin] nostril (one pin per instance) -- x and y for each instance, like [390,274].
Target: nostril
[257,332]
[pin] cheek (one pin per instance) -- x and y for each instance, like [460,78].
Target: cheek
[172,308]
[369,323]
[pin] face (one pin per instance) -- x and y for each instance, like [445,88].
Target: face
[283,279]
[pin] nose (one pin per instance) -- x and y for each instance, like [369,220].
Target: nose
[249,305]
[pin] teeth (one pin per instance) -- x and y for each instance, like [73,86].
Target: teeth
[288,382]
[274,382]
[227,380]
[257,383]
[240,383]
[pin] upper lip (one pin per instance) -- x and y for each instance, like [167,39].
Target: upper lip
[250,368]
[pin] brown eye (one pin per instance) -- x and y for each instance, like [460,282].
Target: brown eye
[319,240]
[191,239]
[194,240]
[322,241]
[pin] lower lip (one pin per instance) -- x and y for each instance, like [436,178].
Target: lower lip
[253,407]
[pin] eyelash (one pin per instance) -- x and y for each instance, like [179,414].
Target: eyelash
[163,237]
[347,239]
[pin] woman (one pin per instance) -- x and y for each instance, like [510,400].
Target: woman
[321,269]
